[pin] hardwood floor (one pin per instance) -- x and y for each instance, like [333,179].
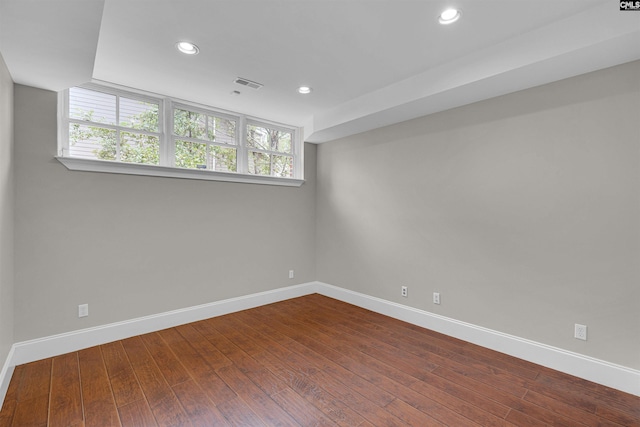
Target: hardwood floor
[309,361]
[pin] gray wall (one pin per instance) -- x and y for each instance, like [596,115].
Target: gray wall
[523,211]
[131,246]
[6,212]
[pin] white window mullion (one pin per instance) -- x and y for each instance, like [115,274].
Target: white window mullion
[167,142]
[298,154]
[63,117]
[271,157]
[243,154]
[117,123]
[118,158]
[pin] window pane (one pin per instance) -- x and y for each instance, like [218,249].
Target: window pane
[85,104]
[259,163]
[258,137]
[268,139]
[139,114]
[222,159]
[189,124]
[281,142]
[139,148]
[89,142]
[283,166]
[222,130]
[191,155]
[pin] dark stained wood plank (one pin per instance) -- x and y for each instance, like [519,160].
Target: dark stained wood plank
[520,419]
[575,414]
[597,390]
[163,403]
[32,408]
[167,362]
[99,404]
[260,375]
[31,412]
[207,351]
[356,401]
[301,410]
[310,390]
[259,402]
[410,415]
[492,393]
[611,404]
[7,412]
[201,410]
[541,414]
[617,416]
[238,413]
[471,405]
[124,383]
[137,414]
[11,398]
[197,368]
[65,403]
[36,379]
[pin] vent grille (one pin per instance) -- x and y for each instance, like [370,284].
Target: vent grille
[248,83]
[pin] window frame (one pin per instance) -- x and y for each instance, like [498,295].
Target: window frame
[167,141]
[257,123]
[173,137]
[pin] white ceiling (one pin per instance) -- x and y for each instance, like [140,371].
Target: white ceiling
[370,62]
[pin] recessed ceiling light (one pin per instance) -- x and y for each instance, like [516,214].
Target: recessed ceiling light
[449,16]
[188,48]
[304,90]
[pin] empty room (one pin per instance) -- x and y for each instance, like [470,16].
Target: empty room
[319,213]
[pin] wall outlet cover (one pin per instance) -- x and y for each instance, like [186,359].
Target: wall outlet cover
[580,332]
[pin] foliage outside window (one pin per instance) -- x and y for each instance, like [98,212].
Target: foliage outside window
[204,141]
[270,151]
[111,127]
[117,126]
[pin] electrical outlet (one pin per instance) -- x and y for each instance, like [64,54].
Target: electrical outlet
[580,332]
[290,274]
[83,310]
[436,298]
[405,291]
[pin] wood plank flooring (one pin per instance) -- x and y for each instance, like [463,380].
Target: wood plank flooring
[309,361]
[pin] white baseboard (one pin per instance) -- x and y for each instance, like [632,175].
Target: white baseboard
[605,373]
[585,367]
[5,375]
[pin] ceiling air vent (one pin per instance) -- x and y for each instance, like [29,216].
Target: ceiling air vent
[248,83]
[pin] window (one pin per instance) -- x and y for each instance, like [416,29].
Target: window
[111,127]
[110,130]
[204,141]
[270,150]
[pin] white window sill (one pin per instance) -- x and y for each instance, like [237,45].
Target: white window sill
[104,166]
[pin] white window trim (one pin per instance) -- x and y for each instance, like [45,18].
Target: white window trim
[167,144]
[89,165]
